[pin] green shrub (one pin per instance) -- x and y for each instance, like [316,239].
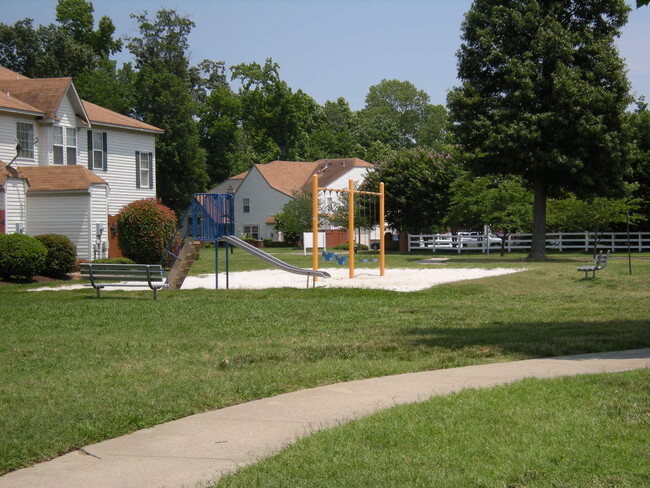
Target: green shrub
[114,261]
[61,255]
[268,242]
[144,228]
[21,256]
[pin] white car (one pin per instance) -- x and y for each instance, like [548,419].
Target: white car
[476,239]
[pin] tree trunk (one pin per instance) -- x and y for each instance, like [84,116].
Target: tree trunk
[538,244]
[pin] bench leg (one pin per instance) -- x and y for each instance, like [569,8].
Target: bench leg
[99,290]
[155,293]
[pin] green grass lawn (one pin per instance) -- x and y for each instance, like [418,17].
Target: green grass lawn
[588,431]
[75,370]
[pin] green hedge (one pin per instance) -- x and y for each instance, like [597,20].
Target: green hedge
[61,255]
[21,257]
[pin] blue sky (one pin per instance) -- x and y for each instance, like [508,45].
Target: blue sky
[333,48]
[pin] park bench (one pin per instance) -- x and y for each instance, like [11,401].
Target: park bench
[138,275]
[599,263]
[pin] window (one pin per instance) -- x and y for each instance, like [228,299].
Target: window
[57,145]
[71,143]
[25,136]
[247,205]
[252,231]
[143,169]
[64,152]
[97,151]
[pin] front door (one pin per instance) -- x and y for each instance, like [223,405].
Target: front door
[2,221]
[114,250]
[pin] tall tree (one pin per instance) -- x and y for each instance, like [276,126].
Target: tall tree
[543,96]
[276,119]
[164,97]
[70,48]
[334,135]
[417,188]
[399,115]
[221,132]
[639,126]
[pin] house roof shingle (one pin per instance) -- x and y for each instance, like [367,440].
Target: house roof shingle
[43,96]
[60,178]
[287,176]
[46,94]
[103,116]
[11,103]
[330,170]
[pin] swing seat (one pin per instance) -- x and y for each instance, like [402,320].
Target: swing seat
[364,260]
[341,260]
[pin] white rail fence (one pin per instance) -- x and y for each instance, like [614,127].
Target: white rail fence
[561,241]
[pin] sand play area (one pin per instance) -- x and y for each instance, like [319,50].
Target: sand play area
[404,279]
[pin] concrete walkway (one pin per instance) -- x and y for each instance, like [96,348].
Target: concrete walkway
[203,447]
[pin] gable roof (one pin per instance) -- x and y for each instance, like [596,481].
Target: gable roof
[103,116]
[7,74]
[330,170]
[12,104]
[46,94]
[60,178]
[43,96]
[287,176]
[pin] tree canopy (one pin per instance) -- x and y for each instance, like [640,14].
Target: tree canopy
[417,188]
[543,96]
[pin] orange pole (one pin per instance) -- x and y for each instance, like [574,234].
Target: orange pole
[314,223]
[382,237]
[351,226]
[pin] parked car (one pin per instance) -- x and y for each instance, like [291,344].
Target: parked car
[476,239]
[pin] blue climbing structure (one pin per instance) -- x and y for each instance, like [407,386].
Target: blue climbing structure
[210,217]
[213,216]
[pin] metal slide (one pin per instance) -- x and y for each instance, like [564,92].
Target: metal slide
[278,263]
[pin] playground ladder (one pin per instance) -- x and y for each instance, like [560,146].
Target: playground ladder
[181,268]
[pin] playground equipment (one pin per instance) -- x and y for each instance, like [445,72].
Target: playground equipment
[350,192]
[211,218]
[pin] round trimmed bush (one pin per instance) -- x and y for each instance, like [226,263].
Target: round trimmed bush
[21,256]
[61,255]
[144,228]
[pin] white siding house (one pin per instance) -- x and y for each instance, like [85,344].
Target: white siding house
[267,188]
[66,165]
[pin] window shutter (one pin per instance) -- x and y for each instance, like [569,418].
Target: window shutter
[151,170]
[137,169]
[105,155]
[90,150]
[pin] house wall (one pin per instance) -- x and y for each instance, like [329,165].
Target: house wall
[264,202]
[8,138]
[99,216]
[14,203]
[50,213]
[121,168]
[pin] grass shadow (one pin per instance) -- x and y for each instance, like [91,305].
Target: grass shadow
[538,339]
